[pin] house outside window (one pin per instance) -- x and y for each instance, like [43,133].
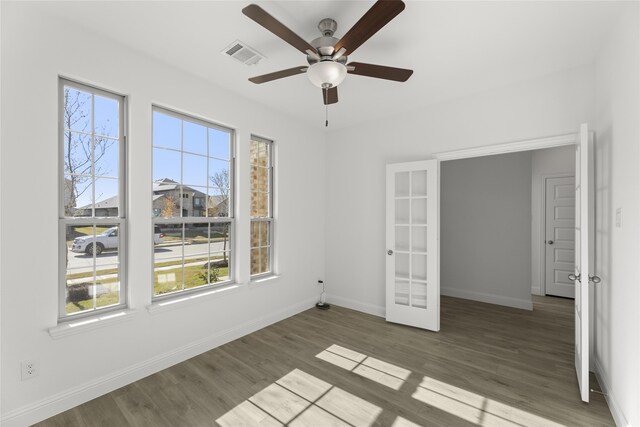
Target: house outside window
[192,160]
[92,212]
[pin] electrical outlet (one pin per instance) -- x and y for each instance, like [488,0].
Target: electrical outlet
[30,369]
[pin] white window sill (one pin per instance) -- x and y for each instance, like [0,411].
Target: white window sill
[184,300]
[90,323]
[263,280]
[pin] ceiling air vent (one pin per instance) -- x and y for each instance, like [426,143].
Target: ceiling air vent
[243,53]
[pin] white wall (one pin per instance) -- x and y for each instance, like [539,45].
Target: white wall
[35,50]
[550,161]
[485,229]
[356,158]
[617,300]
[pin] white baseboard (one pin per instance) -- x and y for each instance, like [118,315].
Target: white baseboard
[375,310]
[605,383]
[535,290]
[48,407]
[489,298]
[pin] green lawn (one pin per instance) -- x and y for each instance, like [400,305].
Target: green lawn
[104,300]
[194,276]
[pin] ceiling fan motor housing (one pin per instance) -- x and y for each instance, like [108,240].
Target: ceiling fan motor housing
[324,46]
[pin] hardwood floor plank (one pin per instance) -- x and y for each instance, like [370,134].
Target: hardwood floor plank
[489,365]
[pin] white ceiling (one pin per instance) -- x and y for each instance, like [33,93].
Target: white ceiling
[454,48]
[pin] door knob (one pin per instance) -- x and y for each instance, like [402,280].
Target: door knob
[573,277]
[595,279]
[389,252]
[550,242]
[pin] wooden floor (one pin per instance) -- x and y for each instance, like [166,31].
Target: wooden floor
[489,365]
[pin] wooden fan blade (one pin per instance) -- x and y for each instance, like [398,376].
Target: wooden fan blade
[380,14]
[330,96]
[278,75]
[259,15]
[379,71]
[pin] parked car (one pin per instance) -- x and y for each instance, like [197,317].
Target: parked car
[157,235]
[108,239]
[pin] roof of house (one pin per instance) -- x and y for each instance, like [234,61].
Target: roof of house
[111,202]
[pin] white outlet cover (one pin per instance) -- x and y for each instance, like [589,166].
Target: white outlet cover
[30,369]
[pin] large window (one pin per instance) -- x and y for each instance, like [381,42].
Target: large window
[261,157]
[192,203]
[92,212]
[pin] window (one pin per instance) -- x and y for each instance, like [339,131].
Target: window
[192,160]
[261,156]
[92,212]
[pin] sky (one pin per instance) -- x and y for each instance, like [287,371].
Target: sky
[204,147]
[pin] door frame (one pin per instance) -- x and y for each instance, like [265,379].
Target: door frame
[542,285]
[514,147]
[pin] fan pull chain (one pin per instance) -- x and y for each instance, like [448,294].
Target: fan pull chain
[326,107]
[326,116]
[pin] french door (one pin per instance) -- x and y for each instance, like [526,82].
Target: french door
[412,230]
[584,255]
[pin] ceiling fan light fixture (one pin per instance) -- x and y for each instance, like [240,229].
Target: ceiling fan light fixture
[327,74]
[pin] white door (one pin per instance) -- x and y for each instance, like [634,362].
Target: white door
[560,200]
[584,251]
[412,229]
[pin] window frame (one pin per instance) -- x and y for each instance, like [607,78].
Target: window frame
[120,221]
[270,219]
[158,220]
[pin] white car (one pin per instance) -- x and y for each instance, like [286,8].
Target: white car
[108,239]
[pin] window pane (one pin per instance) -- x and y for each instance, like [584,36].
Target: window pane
[166,165]
[196,255]
[260,247]
[220,251]
[77,153]
[106,197]
[106,157]
[195,138]
[218,202]
[167,131]
[255,261]
[92,248]
[107,286]
[106,116]
[259,260]
[219,143]
[168,259]
[219,267]
[219,173]
[75,188]
[194,170]
[79,275]
[263,155]
[259,205]
[77,110]
[83,190]
[194,204]
[167,200]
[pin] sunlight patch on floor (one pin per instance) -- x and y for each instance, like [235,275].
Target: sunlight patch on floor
[384,373]
[299,399]
[403,422]
[475,408]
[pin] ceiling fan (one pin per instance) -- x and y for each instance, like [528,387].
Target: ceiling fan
[327,55]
